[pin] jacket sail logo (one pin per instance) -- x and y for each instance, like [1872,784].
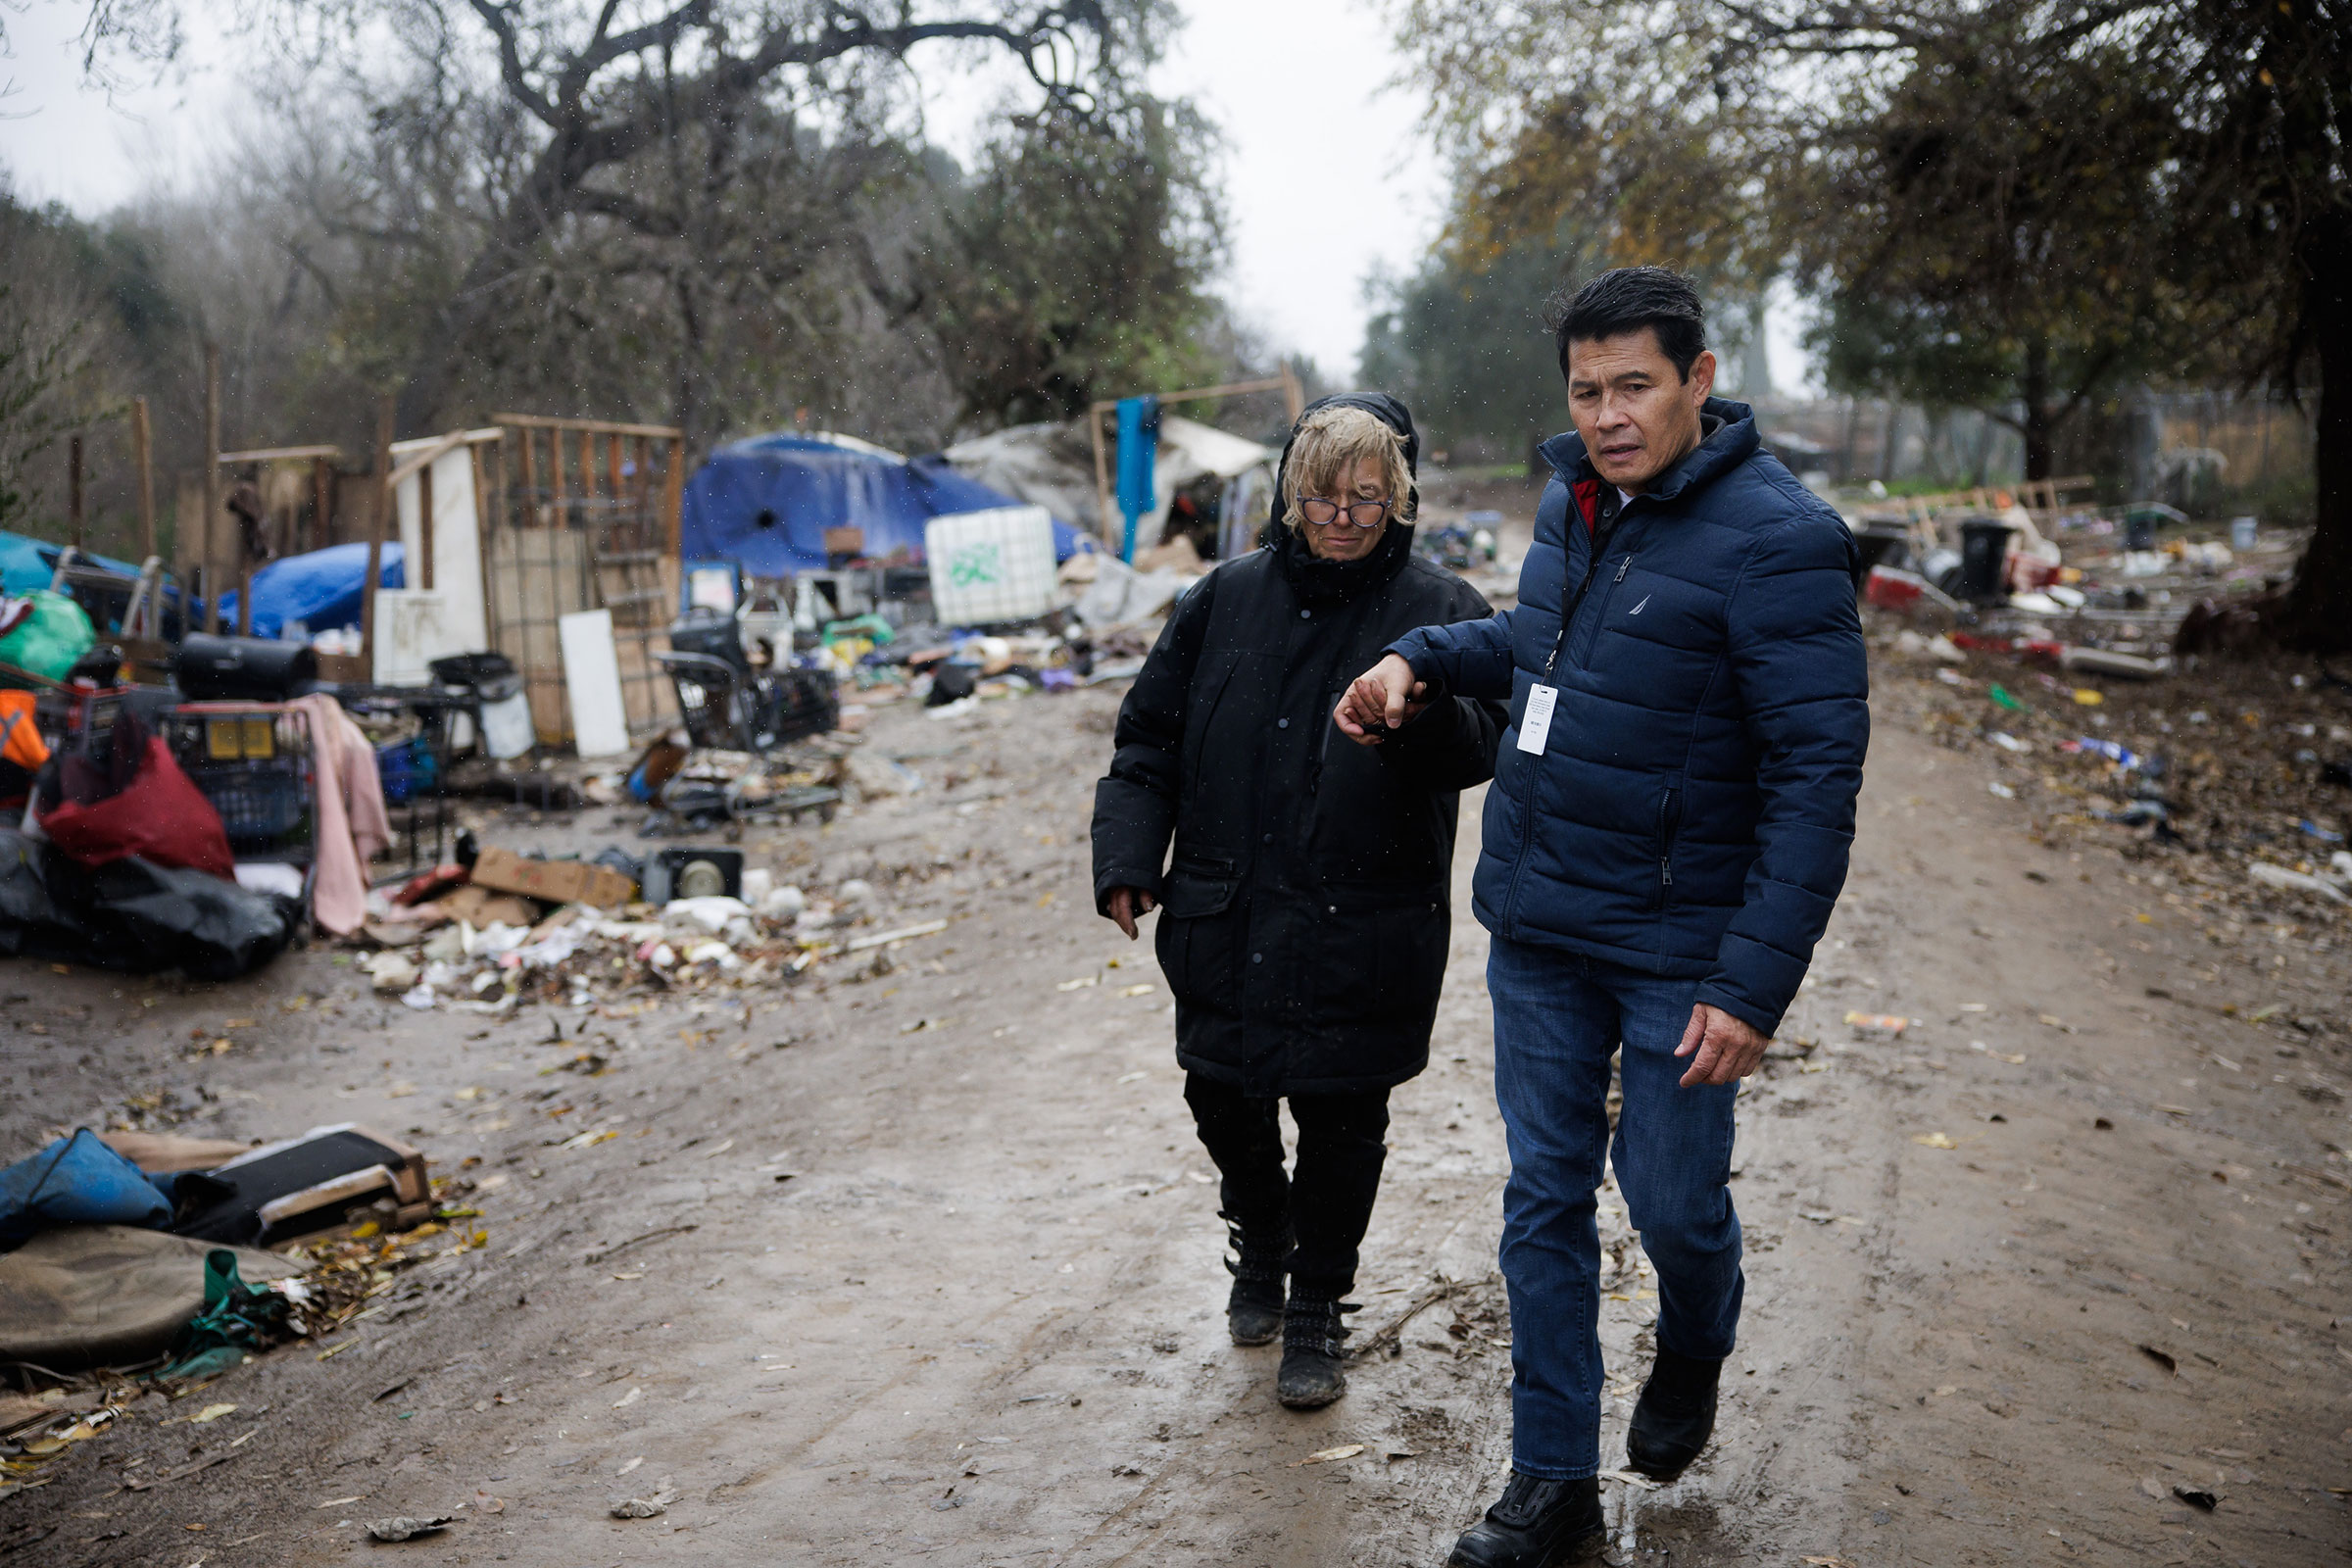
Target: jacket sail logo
[1637,609]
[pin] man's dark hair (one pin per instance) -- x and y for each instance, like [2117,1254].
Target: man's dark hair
[1627,299]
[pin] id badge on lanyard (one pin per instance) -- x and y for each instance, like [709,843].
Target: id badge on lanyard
[1535,726]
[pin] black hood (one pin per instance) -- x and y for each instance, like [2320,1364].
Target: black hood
[1382,406]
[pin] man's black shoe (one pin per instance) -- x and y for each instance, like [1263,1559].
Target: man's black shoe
[1253,1311]
[1534,1524]
[1312,1335]
[1674,1417]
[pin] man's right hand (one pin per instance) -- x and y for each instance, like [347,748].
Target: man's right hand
[1126,906]
[1383,698]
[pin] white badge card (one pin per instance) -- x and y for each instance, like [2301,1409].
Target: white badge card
[1535,726]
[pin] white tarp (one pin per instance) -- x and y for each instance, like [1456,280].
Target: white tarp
[1053,465]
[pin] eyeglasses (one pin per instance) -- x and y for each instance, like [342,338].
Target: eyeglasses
[1363,514]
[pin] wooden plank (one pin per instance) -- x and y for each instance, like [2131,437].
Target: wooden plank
[142,457]
[673,495]
[542,422]
[212,485]
[425,459]
[1094,428]
[531,478]
[323,505]
[613,485]
[422,574]
[375,534]
[283,455]
[587,466]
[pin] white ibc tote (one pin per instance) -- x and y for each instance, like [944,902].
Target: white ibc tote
[991,566]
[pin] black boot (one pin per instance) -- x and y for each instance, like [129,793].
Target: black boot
[1253,1311]
[1312,1331]
[1534,1524]
[1674,1417]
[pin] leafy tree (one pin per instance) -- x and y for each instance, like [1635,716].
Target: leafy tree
[2041,187]
[1074,267]
[1462,341]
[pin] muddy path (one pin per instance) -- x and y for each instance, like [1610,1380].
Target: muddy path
[918,1260]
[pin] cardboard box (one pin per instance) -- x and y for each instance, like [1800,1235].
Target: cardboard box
[556,881]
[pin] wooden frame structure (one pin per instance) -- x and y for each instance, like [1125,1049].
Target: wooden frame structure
[1287,383]
[584,515]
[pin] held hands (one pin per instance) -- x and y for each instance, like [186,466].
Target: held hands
[1126,906]
[1729,1049]
[1387,697]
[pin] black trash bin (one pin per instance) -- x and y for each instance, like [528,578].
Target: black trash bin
[1985,557]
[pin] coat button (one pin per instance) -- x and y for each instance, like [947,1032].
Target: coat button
[1257,957]
[1282,723]
[1306,614]
[1265,838]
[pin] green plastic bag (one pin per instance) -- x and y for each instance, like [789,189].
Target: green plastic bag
[52,638]
[236,1320]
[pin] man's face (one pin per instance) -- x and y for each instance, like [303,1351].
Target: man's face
[1636,416]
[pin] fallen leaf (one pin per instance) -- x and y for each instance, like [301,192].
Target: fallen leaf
[1134,990]
[628,1398]
[1892,1023]
[2160,1357]
[1325,1457]
[210,1412]
[334,1503]
[2152,1486]
[2197,1497]
[484,1502]
[626,1468]
[1079,983]
[1934,1140]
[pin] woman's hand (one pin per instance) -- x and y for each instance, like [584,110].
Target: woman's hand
[1382,699]
[1126,906]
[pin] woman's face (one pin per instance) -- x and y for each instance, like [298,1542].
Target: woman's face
[1341,539]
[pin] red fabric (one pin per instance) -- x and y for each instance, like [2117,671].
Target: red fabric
[161,815]
[1588,499]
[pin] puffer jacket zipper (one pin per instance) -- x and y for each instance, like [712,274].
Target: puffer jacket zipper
[1670,819]
[1599,540]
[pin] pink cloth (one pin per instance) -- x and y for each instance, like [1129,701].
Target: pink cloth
[353,825]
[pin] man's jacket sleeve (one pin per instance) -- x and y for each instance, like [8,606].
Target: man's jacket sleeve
[1467,659]
[1451,746]
[1795,655]
[1134,803]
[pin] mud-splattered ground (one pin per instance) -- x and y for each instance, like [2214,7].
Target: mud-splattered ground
[929,1268]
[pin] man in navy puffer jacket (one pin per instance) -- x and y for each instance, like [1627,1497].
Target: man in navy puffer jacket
[1667,831]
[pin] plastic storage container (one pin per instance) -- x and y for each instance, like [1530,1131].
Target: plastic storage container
[992,566]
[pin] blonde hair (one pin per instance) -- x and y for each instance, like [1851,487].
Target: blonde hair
[1331,441]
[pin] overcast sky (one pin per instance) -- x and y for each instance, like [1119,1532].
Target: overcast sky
[1327,173]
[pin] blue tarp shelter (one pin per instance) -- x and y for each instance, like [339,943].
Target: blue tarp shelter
[765,503]
[320,589]
[29,564]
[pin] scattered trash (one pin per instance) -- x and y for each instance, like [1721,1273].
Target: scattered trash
[2197,1497]
[1935,1140]
[403,1528]
[2162,1358]
[2286,881]
[1882,1022]
[1327,1456]
[653,1507]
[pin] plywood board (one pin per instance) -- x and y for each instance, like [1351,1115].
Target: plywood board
[600,717]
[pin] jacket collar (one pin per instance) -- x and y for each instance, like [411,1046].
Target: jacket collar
[1331,582]
[1728,438]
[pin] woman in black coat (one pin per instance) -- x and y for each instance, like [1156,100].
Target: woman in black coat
[1303,918]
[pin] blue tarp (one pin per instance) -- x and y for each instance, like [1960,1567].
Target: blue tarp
[321,589]
[765,503]
[29,564]
[77,1181]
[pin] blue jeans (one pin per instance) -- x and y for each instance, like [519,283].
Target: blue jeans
[1558,1019]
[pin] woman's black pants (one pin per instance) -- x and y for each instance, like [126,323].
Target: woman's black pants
[1327,1200]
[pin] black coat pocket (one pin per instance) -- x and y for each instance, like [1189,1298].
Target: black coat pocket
[1378,954]
[1197,941]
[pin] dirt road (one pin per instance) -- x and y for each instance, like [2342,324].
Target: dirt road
[922,1265]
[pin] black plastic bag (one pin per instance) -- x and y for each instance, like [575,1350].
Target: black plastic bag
[135,916]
